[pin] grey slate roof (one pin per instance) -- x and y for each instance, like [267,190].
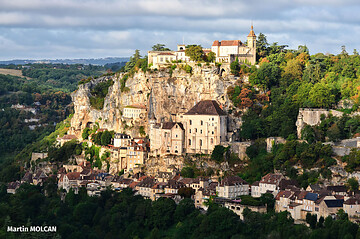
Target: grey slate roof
[206,107]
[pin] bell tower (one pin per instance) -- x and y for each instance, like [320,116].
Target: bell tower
[251,38]
[251,43]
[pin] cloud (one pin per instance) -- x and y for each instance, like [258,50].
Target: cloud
[98,28]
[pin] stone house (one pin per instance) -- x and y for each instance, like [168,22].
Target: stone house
[255,189]
[136,156]
[232,187]
[66,138]
[160,58]
[12,187]
[268,184]
[173,186]
[228,50]
[166,138]
[352,207]
[39,177]
[144,188]
[134,112]
[330,206]
[69,180]
[121,140]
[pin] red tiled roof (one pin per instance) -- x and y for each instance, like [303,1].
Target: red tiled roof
[73,175]
[283,194]
[166,53]
[271,178]
[227,43]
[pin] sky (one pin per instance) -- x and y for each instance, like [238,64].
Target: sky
[54,29]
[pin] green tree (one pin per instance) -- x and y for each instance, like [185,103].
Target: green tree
[186,192]
[218,153]
[187,172]
[321,96]
[106,137]
[184,209]
[266,76]
[195,52]
[353,184]
[160,47]
[311,219]
[211,57]
[86,132]
[235,67]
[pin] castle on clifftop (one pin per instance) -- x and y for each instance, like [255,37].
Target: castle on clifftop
[226,51]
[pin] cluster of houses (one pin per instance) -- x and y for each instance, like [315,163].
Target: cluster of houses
[316,199]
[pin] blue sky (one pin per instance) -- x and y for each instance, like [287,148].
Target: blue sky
[51,29]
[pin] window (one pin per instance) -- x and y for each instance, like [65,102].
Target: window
[190,131]
[201,131]
[200,142]
[195,130]
[189,141]
[212,119]
[212,132]
[212,141]
[201,122]
[190,122]
[175,135]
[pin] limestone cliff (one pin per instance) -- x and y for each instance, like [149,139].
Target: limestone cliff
[163,92]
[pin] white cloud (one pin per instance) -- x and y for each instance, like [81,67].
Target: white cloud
[92,28]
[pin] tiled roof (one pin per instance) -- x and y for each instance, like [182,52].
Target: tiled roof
[73,175]
[337,188]
[283,194]
[170,125]
[334,203]
[227,43]
[352,201]
[312,196]
[271,178]
[206,107]
[232,181]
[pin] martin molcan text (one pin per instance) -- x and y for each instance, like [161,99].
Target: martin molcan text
[31,229]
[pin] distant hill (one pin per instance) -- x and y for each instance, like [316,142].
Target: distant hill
[96,61]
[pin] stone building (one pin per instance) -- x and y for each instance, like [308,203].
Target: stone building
[134,111]
[136,156]
[167,138]
[198,131]
[232,187]
[228,50]
[205,126]
[121,140]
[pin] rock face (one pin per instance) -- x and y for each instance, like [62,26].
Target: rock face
[162,92]
[312,117]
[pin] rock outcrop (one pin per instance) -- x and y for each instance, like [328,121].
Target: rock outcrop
[163,92]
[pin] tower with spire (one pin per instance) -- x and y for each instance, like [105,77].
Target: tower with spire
[251,43]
